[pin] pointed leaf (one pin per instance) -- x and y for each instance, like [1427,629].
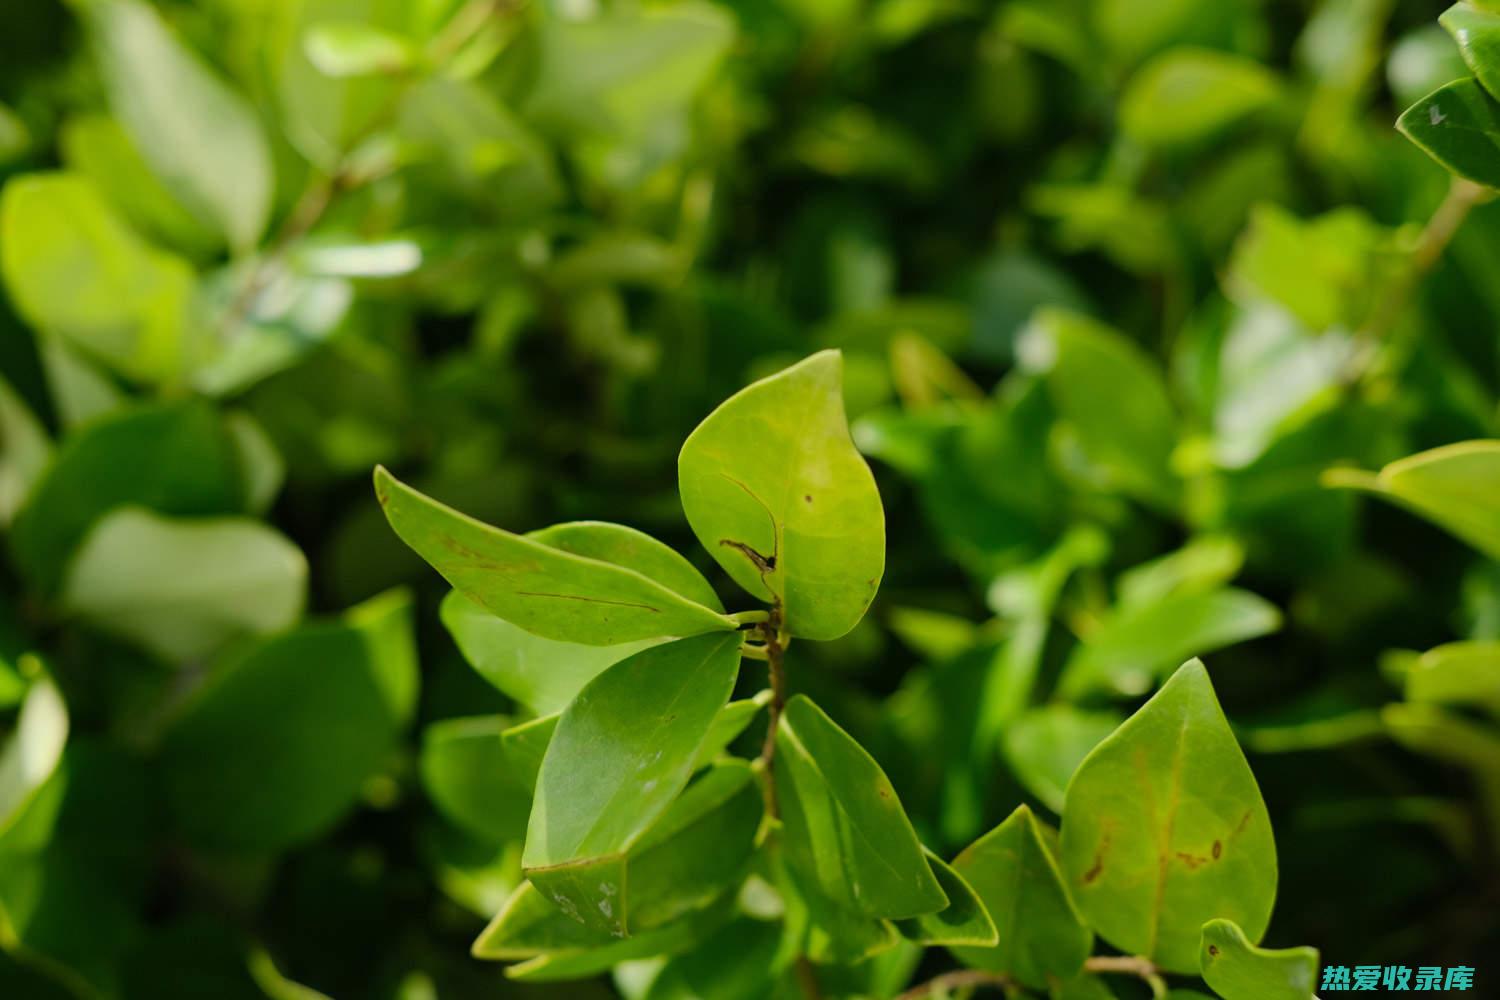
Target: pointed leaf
[1164,828]
[845,831]
[1457,486]
[553,593]
[1041,936]
[1459,126]
[1237,970]
[774,488]
[965,921]
[622,752]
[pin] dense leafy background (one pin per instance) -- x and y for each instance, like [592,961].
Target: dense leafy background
[1114,279]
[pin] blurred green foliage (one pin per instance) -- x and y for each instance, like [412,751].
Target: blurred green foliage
[1127,290]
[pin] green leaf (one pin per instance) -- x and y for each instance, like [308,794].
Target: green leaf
[1457,486]
[526,746]
[354,48]
[1045,746]
[1459,673]
[691,857]
[622,752]
[200,137]
[547,591]
[965,921]
[774,488]
[1112,394]
[1237,970]
[270,752]
[77,272]
[34,748]
[1188,95]
[1135,645]
[472,780]
[174,458]
[183,588]
[1164,828]
[1459,126]
[1041,936]
[615,543]
[25,452]
[581,963]
[1477,32]
[845,831]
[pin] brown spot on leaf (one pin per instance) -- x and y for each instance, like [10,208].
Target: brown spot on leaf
[1098,867]
[1218,849]
[1244,822]
[1191,860]
[807,497]
[1213,950]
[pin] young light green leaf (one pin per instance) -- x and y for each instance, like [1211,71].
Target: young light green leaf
[1459,126]
[1112,394]
[1137,644]
[34,748]
[183,588]
[547,591]
[25,452]
[621,753]
[964,922]
[1459,673]
[354,48]
[1045,746]
[1187,95]
[472,780]
[845,831]
[1164,828]
[774,488]
[1204,563]
[268,753]
[1457,486]
[1237,970]
[77,272]
[1041,936]
[203,140]
[1477,32]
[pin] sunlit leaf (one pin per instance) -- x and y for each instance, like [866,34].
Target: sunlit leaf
[1238,970]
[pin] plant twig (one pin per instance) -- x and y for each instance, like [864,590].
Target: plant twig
[775,653]
[1130,965]
[957,980]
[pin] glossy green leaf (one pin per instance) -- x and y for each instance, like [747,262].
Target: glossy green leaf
[34,748]
[1457,486]
[1458,125]
[1164,828]
[174,458]
[774,488]
[1477,32]
[581,963]
[744,960]
[1112,394]
[615,543]
[689,858]
[845,830]
[268,753]
[1041,936]
[472,780]
[526,746]
[353,48]
[183,588]
[77,272]
[622,752]
[201,138]
[1459,673]
[1188,95]
[965,921]
[1135,645]
[1045,746]
[1237,970]
[544,590]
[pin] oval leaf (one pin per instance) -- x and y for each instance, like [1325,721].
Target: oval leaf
[1459,126]
[621,753]
[773,486]
[547,591]
[1041,937]
[1477,33]
[846,833]
[1164,828]
[1237,970]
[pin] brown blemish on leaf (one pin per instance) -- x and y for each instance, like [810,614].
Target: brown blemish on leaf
[1213,951]
[1098,867]
[588,600]
[1218,851]
[1244,822]
[1191,860]
[807,497]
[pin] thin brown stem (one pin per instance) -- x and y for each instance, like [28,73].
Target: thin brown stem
[775,652]
[958,980]
[1130,965]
